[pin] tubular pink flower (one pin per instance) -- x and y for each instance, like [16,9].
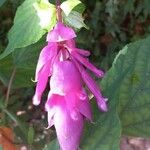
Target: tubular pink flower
[67,103]
[68,128]
[66,112]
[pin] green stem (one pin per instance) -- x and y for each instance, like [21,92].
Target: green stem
[9,87]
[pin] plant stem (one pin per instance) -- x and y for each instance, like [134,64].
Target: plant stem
[9,87]
[59,16]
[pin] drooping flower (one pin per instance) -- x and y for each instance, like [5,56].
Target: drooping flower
[67,104]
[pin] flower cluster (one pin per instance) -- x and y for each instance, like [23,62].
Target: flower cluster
[67,103]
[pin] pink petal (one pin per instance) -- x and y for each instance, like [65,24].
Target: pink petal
[41,84]
[68,130]
[72,102]
[65,78]
[70,43]
[51,114]
[84,106]
[91,84]
[85,109]
[50,101]
[51,107]
[76,104]
[82,52]
[47,54]
[60,33]
[87,64]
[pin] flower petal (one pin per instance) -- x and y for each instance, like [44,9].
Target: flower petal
[82,52]
[51,114]
[47,54]
[41,84]
[60,33]
[65,78]
[68,130]
[51,107]
[91,84]
[87,64]
[84,106]
[70,43]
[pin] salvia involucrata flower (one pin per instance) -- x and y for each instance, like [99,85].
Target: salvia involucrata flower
[67,103]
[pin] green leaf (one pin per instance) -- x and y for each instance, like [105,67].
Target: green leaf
[80,8]
[134,89]
[46,13]
[75,20]
[2,2]
[24,60]
[68,6]
[105,132]
[53,145]
[29,24]
[128,81]
[22,76]
[31,135]
[27,57]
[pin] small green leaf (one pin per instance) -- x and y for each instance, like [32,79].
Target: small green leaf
[75,20]
[29,24]
[31,135]
[68,6]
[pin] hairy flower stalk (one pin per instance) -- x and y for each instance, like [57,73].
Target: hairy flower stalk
[67,103]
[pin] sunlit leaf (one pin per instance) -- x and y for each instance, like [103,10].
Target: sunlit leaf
[29,24]
[46,13]
[75,20]
[68,6]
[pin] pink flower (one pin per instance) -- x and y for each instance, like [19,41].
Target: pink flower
[68,103]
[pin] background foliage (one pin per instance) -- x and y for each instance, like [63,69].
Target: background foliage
[113,24]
